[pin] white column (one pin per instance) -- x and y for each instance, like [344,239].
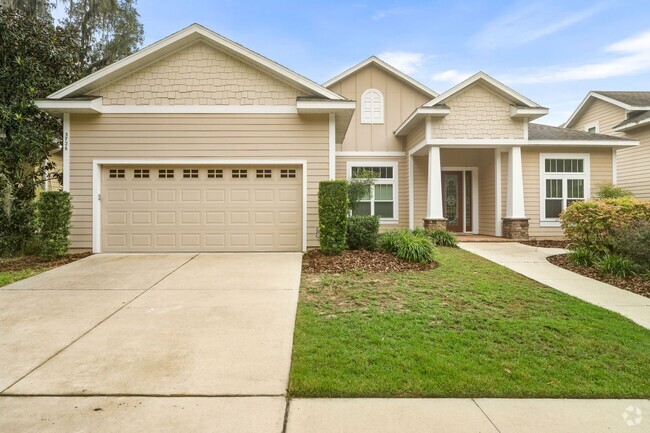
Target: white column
[66,152]
[332,146]
[434,193]
[515,208]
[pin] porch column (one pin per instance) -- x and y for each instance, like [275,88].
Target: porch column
[435,218]
[515,224]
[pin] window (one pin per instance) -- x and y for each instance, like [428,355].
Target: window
[289,173]
[264,173]
[141,173]
[190,173]
[592,127]
[166,174]
[372,106]
[116,173]
[215,174]
[239,173]
[383,197]
[564,180]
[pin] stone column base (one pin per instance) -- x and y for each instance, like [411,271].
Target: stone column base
[515,228]
[435,223]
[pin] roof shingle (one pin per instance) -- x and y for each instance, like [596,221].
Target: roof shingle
[537,131]
[639,99]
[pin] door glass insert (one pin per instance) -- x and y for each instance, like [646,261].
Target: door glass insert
[451,200]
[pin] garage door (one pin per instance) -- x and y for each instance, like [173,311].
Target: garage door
[201,208]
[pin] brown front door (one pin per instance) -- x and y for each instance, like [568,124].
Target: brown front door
[452,199]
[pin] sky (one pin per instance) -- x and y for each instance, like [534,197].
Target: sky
[553,52]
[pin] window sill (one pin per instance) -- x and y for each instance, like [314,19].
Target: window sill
[387,221]
[550,223]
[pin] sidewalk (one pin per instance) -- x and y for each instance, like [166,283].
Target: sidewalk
[467,416]
[531,262]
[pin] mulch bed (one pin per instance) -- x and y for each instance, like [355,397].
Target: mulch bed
[34,262]
[546,243]
[315,262]
[638,285]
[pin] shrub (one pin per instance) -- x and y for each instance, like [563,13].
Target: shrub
[360,187]
[593,224]
[616,265]
[443,238]
[55,211]
[609,190]
[389,241]
[363,232]
[583,256]
[633,241]
[416,249]
[332,215]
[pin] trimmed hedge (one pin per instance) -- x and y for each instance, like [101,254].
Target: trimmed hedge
[54,211]
[333,215]
[363,232]
[594,224]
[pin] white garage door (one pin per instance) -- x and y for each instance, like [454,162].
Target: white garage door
[201,208]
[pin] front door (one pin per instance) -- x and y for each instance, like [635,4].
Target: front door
[452,197]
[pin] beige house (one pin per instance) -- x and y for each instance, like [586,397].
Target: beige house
[196,143]
[626,115]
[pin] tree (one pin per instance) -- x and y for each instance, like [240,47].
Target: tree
[41,9]
[107,30]
[36,59]
[360,188]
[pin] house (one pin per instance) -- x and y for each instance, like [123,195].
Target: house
[196,143]
[626,115]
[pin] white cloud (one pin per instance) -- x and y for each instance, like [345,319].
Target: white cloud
[381,14]
[451,76]
[630,56]
[407,62]
[526,23]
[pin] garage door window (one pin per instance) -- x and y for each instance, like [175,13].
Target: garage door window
[165,174]
[215,174]
[141,173]
[288,173]
[190,173]
[239,174]
[116,173]
[264,173]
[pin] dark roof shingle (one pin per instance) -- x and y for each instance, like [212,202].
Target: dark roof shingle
[639,99]
[537,131]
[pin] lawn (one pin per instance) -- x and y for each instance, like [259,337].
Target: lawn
[9,277]
[469,328]
[15,269]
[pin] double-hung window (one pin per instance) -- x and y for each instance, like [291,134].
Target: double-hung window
[383,195]
[564,180]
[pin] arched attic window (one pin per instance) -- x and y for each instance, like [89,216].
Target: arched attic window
[372,106]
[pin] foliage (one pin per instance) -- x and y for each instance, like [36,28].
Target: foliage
[363,232]
[55,211]
[389,240]
[37,59]
[359,188]
[415,249]
[633,241]
[593,224]
[41,9]
[616,265]
[583,256]
[442,238]
[333,215]
[609,190]
[106,30]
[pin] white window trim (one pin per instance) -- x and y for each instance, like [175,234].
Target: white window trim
[593,125]
[394,182]
[555,222]
[381,108]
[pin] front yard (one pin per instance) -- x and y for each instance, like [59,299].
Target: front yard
[15,269]
[469,328]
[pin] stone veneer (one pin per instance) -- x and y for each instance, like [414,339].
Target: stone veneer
[435,224]
[515,228]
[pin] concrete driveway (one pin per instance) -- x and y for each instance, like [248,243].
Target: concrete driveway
[150,337]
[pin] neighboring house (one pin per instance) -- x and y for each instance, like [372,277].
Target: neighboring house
[622,114]
[196,143]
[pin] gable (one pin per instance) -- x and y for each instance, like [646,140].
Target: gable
[600,113]
[477,113]
[198,75]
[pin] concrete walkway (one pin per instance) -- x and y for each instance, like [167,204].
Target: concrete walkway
[150,343]
[531,262]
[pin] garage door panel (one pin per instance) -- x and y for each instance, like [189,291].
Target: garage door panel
[209,210]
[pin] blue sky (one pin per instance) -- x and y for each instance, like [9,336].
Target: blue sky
[553,52]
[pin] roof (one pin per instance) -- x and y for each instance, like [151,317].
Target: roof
[640,119]
[495,85]
[629,101]
[185,37]
[540,132]
[373,60]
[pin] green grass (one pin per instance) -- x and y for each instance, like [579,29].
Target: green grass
[469,328]
[13,276]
